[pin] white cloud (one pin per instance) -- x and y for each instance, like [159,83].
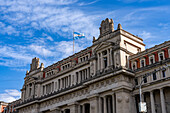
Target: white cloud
[8,29]
[13,92]
[41,50]
[131,1]
[49,15]
[145,35]
[83,3]
[50,38]
[10,95]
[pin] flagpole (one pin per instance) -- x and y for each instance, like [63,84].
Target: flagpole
[73,41]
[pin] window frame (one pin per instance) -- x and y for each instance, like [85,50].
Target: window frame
[162,52]
[144,61]
[152,56]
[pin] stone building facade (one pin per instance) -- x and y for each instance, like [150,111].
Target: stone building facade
[2,106]
[103,78]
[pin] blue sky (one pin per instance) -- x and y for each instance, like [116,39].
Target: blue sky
[43,28]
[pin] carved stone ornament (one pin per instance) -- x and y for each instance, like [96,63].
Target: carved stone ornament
[119,99]
[127,99]
[92,67]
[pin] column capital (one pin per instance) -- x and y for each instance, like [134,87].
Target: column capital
[93,96]
[73,103]
[56,108]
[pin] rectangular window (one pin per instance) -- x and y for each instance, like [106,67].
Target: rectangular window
[145,79]
[136,81]
[105,61]
[59,84]
[161,56]
[43,90]
[142,63]
[77,77]
[163,73]
[151,60]
[154,76]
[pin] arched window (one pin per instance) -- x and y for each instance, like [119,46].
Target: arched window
[134,66]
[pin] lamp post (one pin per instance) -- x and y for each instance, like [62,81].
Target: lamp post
[142,105]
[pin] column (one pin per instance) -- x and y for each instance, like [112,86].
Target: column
[105,104]
[100,105]
[85,73]
[113,103]
[82,75]
[95,67]
[88,74]
[79,77]
[98,61]
[152,102]
[62,83]
[101,61]
[111,58]
[83,108]
[94,103]
[162,101]
[108,59]
[109,105]
[33,89]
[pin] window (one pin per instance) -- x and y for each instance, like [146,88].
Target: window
[134,66]
[30,91]
[43,90]
[161,57]
[145,79]
[163,73]
[151,60]
[59,84]
[105,61]
[126,61]
[136,81]
[86,57]
[154,76]
[142,63]
[105,52]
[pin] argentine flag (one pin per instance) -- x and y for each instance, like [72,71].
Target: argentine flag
[77,35]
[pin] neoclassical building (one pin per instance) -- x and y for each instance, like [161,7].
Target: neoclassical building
[103,78]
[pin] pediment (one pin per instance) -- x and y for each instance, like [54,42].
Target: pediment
[104,45]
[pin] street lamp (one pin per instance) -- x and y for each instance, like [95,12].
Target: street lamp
[142,105]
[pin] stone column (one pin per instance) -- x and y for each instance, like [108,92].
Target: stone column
[162,101]
[62,83]
[83,108]
[100,105]
[123,101]
[111,57]
[105,104]
[55,110]
[113,103]
[33,89]
[108,59]
[109,105]
[95,67]
[94,105]
[152,102]
[102,66]
[79,77]
[98,68]
[88,74]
